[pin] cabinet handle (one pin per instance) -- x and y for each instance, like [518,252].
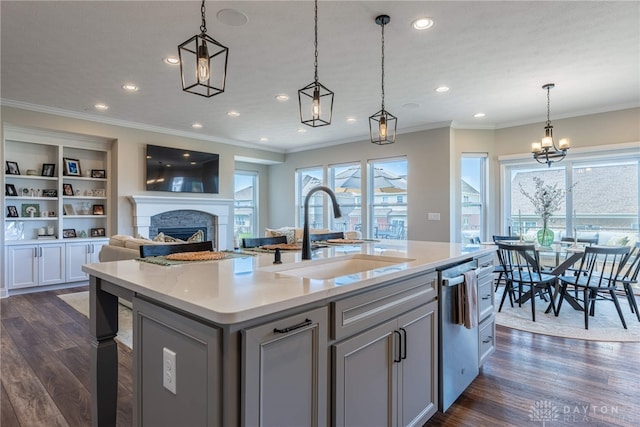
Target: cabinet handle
[404,343]
[399,352]
[90,248]
[35,252]
[40,252]
[487,296]
[306,322]
[488,340]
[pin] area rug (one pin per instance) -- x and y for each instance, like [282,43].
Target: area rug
[604,326]
[80,302]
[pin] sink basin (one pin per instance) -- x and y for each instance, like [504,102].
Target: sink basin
[326,269]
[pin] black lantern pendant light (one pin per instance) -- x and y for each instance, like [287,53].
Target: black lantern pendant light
[316,101]
[203,63]
[546,151]
[382,125]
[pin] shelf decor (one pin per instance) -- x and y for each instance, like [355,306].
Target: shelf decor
[10,190]
[12,212]
[48,169]
[12,168]
[30,210]
[71,167]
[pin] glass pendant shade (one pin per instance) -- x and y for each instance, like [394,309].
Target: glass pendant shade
[382,127]
[316,104]
[203,65]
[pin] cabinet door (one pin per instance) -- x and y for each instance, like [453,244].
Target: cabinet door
[77,255]
[96,247]
[51,264]
[418,371]
[285,371]
[22,266]
[365,377]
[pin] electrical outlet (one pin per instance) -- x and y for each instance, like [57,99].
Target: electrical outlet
[169,370]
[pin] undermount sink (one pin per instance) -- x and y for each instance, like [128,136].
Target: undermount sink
[326,269]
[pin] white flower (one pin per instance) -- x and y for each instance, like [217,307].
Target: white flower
[547,199]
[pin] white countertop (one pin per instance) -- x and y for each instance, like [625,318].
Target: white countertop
[238,289]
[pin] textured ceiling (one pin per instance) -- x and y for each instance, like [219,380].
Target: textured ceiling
[64,57]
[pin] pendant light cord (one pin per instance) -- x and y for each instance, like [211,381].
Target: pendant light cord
[203,27]
[315,43]
[382,66]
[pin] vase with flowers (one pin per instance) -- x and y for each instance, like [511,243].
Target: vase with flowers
[546,200]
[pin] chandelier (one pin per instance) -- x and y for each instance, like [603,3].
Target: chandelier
[203,63]
[382,125]
[315,100]
[547,151]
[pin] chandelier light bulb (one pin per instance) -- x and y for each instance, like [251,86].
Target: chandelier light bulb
[316,104]
[547,142]
[536,147]
[203,63]
[564,144]
[383,127]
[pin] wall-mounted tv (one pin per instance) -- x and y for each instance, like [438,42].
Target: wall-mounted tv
[181,171]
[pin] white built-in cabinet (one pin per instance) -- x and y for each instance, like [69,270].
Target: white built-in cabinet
[58,194]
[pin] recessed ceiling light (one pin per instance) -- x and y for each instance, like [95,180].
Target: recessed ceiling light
[232,17]
[264,139]
[478,115]
[233,113]
[101,107]
[422,23]
[442,89]
[197,125]
[300,130]
[130,87]
[282,97]
[171,60]
[351,119]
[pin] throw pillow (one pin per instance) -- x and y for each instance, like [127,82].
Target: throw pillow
[289,233]
[159,237]
[170,239]
[198,236]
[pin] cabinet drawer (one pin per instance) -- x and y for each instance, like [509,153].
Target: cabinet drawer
[367,309]
[486,338]
[485,298]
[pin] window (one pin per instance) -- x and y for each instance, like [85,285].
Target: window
[245,204]
[388,215]
[602,202]
[472,189]
[346,182]
[306,179]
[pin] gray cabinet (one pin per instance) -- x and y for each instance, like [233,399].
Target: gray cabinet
[194,370]
[285,371]
[388,375]
[35,265]
[486,313]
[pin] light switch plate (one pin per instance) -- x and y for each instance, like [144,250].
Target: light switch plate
[431,216]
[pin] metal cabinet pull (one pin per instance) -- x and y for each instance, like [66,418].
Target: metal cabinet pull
[488,340]
[487,296]
[404,343]
[399,352]
[306,322]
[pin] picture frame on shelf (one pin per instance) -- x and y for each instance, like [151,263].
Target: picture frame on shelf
[10,190]
[12,168]
[30,210]
[99,192]
[71,167]
[98,209]
[97,232]
[68,209]
[48,169]
[67,189]
[69,233]
[49,192]
[98,173]
[12,212]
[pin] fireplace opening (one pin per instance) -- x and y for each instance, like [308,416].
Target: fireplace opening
[182,233]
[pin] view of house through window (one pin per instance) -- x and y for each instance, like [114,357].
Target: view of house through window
[245,204]
[306,179]
[346,182]
[387,195]
[472,189]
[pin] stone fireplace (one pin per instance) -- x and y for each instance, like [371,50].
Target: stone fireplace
[151,213]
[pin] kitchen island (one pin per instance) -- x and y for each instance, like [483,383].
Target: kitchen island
[244,341]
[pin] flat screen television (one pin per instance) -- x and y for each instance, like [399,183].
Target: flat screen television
[181,171]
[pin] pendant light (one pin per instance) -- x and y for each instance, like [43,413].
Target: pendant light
[316,101]
[546,151]
[382,125]
[203,63]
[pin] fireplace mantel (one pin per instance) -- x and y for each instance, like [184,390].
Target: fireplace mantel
[144,207]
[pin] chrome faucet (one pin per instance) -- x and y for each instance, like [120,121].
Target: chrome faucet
[306,239]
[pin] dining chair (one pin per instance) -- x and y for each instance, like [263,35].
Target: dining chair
[499,269]
[161,250]
[522,266]
[315,237]
[600,268]
[254,242]
[629,278]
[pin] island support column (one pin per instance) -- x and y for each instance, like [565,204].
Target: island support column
[103,326]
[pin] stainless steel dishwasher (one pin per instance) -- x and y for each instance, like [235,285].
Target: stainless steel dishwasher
[458,358]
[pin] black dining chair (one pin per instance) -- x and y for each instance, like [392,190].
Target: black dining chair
[254,242]
[161,250]
[317,237]
[499,268]
[522,267]
[600,268]
[629,278]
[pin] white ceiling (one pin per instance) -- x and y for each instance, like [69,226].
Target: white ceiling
[66,56]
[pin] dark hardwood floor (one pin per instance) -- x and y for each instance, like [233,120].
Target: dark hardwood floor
[44,371]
